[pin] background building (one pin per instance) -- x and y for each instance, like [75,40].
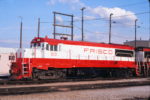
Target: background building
[7,55]
[139,43]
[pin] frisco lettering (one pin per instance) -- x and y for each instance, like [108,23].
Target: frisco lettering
[98,51]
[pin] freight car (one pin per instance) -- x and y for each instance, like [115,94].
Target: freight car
[53,58]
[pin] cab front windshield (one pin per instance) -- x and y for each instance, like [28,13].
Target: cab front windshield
[36,45]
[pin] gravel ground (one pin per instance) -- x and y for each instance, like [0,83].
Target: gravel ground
[128,93]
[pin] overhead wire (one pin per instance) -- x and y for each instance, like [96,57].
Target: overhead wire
[133,4]
[104,18]
[88,31]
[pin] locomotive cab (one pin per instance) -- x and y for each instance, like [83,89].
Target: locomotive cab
[27,59]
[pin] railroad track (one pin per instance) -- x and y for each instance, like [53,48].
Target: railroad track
[23,82]
[71,86]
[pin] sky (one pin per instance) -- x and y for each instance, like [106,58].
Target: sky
[96,20]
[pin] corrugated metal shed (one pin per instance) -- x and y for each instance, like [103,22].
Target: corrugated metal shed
[5,62]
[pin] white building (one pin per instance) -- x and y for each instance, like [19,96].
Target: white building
[7,55]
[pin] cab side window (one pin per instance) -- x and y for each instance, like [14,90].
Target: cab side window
[39,44]
[47,46]
[42,46]
[55,47]
[51,47]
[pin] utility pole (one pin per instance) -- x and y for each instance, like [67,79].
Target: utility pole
[54,25]
[72,27]
[149,23]
[110,27]
[135,31]
[21,24]
[38,27]
[82,27]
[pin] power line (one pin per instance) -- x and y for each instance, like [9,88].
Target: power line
[120,16]
[104,18]
[133,14]
[106,34]
[133,4]
[138,26]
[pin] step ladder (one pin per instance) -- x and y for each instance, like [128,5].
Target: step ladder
[25,68]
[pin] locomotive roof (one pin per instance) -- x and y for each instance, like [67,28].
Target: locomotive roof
[84,43]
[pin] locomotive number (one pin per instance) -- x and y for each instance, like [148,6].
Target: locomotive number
[53,54]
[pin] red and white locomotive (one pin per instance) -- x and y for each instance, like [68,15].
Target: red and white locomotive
[52,58]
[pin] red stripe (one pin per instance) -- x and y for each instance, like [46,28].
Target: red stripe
[43,63]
